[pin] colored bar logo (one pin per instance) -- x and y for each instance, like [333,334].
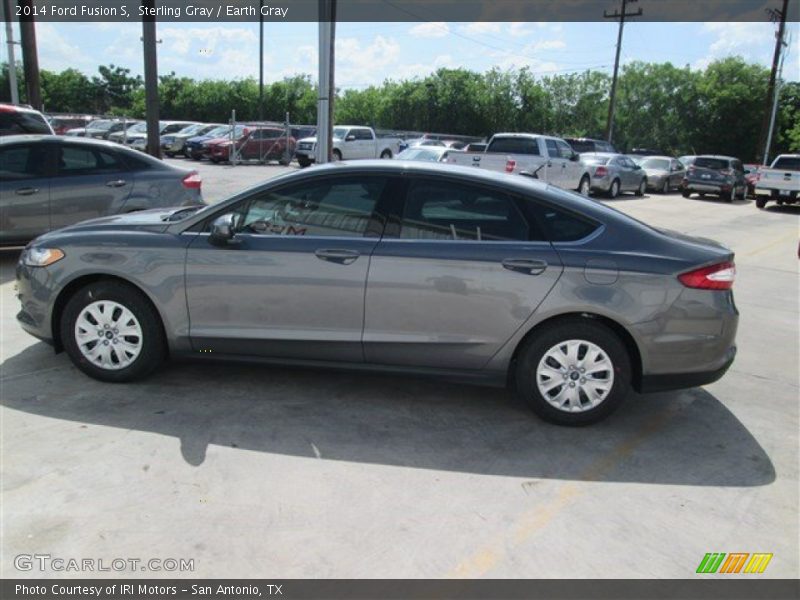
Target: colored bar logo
[736,562]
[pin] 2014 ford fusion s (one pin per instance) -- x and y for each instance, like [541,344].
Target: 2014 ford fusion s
[398,266]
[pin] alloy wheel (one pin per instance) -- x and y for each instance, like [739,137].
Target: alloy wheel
[108,335]
[575,375]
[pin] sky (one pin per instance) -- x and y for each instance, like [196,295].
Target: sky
[369,53]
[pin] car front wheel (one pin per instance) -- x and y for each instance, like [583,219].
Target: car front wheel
[584,186]
[573,372]
[613,191]
[112,333]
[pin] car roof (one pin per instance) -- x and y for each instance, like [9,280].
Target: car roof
[720,156]
[6,106]
[79,141]
[656,156]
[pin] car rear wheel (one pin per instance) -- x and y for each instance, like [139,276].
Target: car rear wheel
[573,372]
[686,193]
[732,196]
[112,333]
[613,191]
[642,188]
[584,186]
[337,155]
[761,202]
[386,154]
[665,187]
[303,162]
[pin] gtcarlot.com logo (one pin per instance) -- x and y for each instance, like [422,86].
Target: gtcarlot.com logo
[735,562]
[47,562]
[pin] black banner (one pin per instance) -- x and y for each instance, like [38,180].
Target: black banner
[399,10]
[388,589]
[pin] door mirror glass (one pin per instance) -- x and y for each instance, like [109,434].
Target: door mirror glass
[350,138]
[222,230]
[575,157]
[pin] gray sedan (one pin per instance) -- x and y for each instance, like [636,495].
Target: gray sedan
[612,173]
[48,182]
[402,266]
[664,173]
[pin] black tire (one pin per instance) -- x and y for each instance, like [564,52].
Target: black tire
[170,154]
[386,154]
[732,196]
[303,162]
[743,195]
[153,344]
[686,193]
[585,184]
[665,187]
[337,154]
[642,188]
[214,160]
[573,329]
[761,202]
[613,190]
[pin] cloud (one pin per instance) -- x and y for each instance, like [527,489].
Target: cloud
[519,29]
[479,27]
[433,29]
[411,71]
[546,45]
[57,54]
[359,63]
[747,39]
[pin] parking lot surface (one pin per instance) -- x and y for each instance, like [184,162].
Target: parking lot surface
[256,471]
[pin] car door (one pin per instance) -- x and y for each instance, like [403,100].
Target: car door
[292,283]
[456,274]
[364,143]
[24,192]
[571,170]
[554,171]
[90,182]
[676,173]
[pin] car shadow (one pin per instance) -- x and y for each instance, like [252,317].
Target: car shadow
[8,263]
[684,438]
[785,209]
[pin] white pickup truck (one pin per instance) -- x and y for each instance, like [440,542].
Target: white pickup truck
[551,158]
[781,182]
[349,142]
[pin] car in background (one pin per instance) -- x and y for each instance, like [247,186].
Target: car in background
[100,129]
[125,134]
[175,143]
[263,144]
[715,175]
[138,139]
[582,145]
[455,144]
[475,147]
[780,182]
[425,153]
[415,268]
[687,160]
[664,173]
[612,174]
[645,152]
[751,176]
[406,144]
[61,124]
[49,182]
[16,119]
[349,142]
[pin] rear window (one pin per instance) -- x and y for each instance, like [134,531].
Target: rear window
[787,163]
[593,159]
[717,164]
[582,145]
[514,146]
[16,123]
[655,163]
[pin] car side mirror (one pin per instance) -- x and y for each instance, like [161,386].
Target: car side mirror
[222,230]
[350,138]
[575,157]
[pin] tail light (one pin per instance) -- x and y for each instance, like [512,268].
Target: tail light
[192,181]
[510,165]
[600,172]
[715,277]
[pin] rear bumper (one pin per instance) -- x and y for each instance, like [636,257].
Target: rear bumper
[678,381]
[706,187]
[777,194]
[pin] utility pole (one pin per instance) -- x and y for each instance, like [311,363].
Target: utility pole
[326,92]
[613,98]
[151,79]
[775,97]
[779,16]
[261,63]
[30,58]
[12,61]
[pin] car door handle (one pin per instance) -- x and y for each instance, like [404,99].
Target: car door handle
[28,191]
[343,257]
[116,183]
[549,163]
[525,265]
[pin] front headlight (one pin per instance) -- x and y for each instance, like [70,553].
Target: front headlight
[42,257]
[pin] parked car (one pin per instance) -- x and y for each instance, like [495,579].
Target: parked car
[16,119]
[687,160]
[476,147]
[582,145]
[781,182]
[48,182]
[645,152]
[101,129]
[175,143]
[664,173]
[721,176]
[613,174]
[425,153]
[414,142]
[407,266]
[751,176]
[258,143]
[196,146]
[548,158]
[455,144]
[61,124]
[137,137]
[349,142]
[126,134]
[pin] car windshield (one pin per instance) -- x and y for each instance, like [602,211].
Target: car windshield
[102,124]
[339,132]
[138,128]
[655,163]
[191,129]
[422,153]
[594,159]
[219,131]
[716,164]
[787,163]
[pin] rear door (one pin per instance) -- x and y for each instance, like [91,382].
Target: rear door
[572,170]
[90,182]
[24,192]
[457,272]
[676,173]
[554,171]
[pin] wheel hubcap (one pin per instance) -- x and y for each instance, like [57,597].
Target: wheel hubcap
[108,335]
[575,376]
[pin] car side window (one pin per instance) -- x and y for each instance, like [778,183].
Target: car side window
[362,134]
[450,211]
[738,166]
[340,207]
[21,162]
[75,160]
[564,149]
[552,148]
[561,225]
